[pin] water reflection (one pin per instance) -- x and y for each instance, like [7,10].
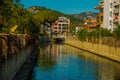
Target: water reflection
[46,57]
[63,62]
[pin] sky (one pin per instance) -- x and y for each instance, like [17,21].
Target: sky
[64,6]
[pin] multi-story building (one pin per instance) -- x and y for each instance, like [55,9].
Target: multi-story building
[90,24]
[61,26]
[99,17]
[116,13]
[108,14]
[111,13]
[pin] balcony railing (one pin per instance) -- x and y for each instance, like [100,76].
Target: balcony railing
[99,7]
[116,11]
[100,14]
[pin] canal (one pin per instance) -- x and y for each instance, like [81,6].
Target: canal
[63,62]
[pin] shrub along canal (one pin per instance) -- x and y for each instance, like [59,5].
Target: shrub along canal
[63,62]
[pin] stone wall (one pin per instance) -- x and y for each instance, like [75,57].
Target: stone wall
[11,44]
[111,52]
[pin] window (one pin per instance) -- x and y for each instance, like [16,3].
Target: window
[110,23]
[110,13]
[111,5]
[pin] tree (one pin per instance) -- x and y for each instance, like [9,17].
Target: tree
[116,32]
[43,17]
[5,13]
[9,14]
[46,16]
[82,34]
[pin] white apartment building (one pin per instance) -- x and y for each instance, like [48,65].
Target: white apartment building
[111,14]
[61,26]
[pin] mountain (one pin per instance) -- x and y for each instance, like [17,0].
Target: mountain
[85,15]
[36,9]
[81,16]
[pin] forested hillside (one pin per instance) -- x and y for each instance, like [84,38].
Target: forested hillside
[14,18]
[38,11]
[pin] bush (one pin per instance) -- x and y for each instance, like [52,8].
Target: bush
[82,34]
[116,32]
[97,33]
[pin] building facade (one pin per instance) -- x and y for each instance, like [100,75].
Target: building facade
[90,24]
[116,14]
[99,16]
[61,26]
[111,13]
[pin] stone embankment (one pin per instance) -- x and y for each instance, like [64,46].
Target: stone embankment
[15,49]
[25,71]
[102,50]
[12,44]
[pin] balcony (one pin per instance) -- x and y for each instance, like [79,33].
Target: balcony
[100,14]
[100,5]
[116,3]
[116,19]
[55,30]
[98,23]
[116,10]
[55,26]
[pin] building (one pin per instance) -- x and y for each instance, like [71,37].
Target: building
[111,13]
[116,13]
[90,24]
[61,26]
[100,14]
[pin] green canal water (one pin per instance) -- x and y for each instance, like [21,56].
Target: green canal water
[63,62]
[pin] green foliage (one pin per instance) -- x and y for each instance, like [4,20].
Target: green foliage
[12,13]
[100,32]
[104,32]
[116,32]
[82,35]
[5,30]
[9,14]
[54,15]
[94,33]
[33,27]
[46,16]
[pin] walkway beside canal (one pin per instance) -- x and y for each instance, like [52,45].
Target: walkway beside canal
[106,51]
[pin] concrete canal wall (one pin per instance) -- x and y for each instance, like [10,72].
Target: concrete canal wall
[26,70]
[11,44]
[106,51]
[14,50]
